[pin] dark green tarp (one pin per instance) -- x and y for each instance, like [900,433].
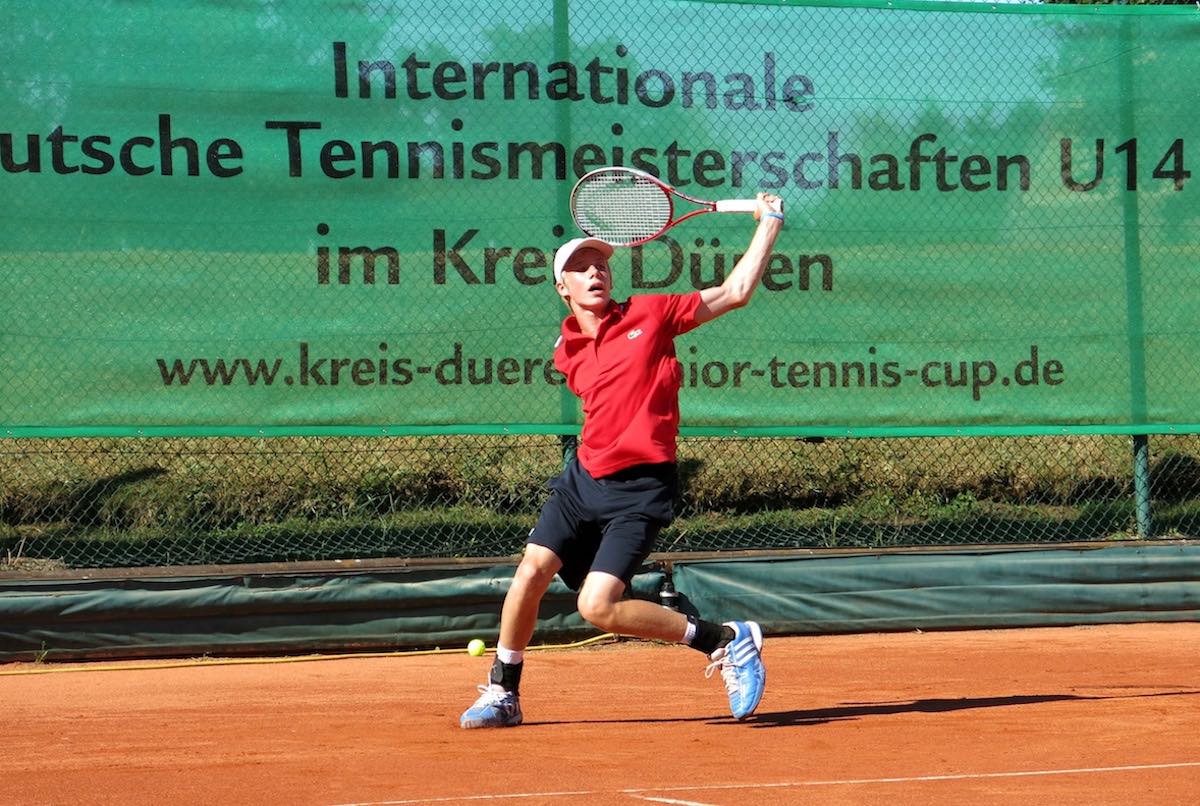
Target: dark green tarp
[244,613]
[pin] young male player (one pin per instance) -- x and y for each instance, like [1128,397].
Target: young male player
[607,507]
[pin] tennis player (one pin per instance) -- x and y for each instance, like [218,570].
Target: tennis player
[610,502]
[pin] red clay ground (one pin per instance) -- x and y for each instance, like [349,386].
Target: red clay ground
[1096,715]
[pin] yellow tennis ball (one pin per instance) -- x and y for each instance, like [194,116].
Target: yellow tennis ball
[476,648]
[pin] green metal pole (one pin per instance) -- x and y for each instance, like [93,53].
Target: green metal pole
[1141,485]
[1134,309]
[568,406]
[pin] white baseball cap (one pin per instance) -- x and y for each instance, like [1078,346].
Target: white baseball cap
[572,246]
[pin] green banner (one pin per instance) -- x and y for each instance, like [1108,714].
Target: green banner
[257,216]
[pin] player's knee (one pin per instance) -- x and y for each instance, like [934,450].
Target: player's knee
[533,575]
[599,611]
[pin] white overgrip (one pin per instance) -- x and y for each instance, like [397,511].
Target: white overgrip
[737,206]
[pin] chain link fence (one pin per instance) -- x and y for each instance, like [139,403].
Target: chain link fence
[82,503]
[228,225]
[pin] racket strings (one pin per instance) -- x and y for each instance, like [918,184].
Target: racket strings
[620,208]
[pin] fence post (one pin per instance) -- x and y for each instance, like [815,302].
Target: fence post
[570,443]
[1141,485]
[1135,322]
[567,404]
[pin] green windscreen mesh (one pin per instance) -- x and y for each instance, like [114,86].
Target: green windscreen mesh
[296,214]
[329,223]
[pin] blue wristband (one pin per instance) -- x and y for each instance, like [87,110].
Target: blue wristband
[774,215]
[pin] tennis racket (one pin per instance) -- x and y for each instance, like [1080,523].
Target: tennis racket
[627,207]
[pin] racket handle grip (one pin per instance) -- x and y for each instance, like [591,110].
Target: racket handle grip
[737,206]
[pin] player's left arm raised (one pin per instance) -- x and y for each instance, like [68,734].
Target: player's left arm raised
[741,282]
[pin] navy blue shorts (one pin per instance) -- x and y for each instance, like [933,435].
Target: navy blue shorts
[607,524]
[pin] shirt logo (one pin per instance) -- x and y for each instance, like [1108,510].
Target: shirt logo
[633,334]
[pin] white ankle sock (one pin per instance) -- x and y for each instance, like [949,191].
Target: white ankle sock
[510,656]
[689,634]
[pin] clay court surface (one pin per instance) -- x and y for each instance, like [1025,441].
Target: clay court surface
[1092,715]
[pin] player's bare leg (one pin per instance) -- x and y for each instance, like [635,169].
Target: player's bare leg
[518,618]
[499,702]
[734,648]
[601,603]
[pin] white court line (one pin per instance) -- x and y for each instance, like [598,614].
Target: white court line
[671,800]
[638,792]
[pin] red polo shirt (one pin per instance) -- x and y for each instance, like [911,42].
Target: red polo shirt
[628,379]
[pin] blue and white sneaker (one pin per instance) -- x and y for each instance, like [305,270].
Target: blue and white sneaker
[495,708]
[740,662]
